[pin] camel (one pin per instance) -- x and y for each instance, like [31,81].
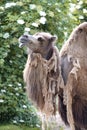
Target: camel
[49,73]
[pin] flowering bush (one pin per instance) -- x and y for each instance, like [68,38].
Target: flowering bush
[28,16]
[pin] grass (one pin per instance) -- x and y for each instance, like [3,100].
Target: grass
[14,127]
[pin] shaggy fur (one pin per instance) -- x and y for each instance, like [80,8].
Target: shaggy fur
[41,72]
[73,98]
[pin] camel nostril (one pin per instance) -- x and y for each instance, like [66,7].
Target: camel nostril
[26,36]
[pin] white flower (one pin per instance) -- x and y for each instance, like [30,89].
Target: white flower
[17,94]
[42,20]
[78,6]
[7,5]
[1,7]
[23,12]
[21,121]
[10,85]
[15,121]
[24,106]
[81,17]
[72,7]
[16,89]
[27,29]
[6,35]
[20,21]
[58,10]
[26,33]
[80,2]
[32,6]
[3,91]
[42,13]
[84,10]
[35,24]
[19,84]
[10,61]
[1,100]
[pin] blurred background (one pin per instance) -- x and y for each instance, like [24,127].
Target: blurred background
[58,17]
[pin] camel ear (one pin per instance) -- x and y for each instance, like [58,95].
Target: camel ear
[53,38]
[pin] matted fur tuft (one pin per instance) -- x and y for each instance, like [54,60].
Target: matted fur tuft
[41,77]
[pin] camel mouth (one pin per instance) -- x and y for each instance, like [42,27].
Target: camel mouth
[21,45]
[22,42]
[25,40]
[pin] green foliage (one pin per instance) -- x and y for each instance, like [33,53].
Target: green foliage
[26,115]
[13,127]
[16,17]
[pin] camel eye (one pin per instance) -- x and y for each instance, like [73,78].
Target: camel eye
[80,30]
[40,39]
